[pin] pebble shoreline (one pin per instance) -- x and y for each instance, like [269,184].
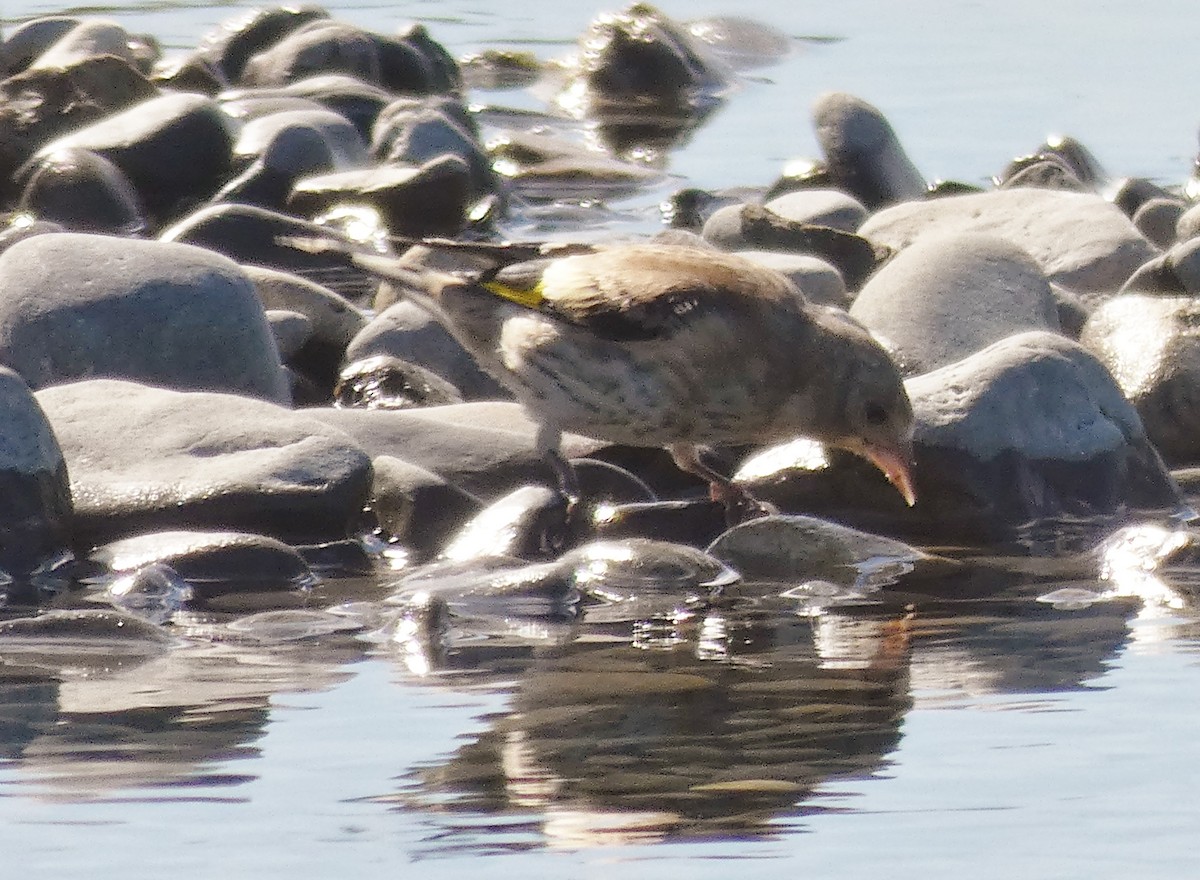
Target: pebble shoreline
[173,367]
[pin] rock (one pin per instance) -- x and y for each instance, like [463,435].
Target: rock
[89,38]
[334,322]
[1157,219]
[529,522]
[820,207]
[1031,428]
[794,549]
[257,236]
[262,136]
[945,297]
[385,382]
[408,332]
[1151,345]
[408,135]
[1177,271]
[36,517]
[290,331]
[318,46]
[818,280]
[148,459]
[32,38]
[863,154]
[429,200]
[236,40]
[82,191]
[39,105]
[753,227]
[485,448]
[78,306]
[212,563]
[1188,224]
[174,148]
[417,507]
[1080,240]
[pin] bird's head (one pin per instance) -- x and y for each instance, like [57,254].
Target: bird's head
[859,402]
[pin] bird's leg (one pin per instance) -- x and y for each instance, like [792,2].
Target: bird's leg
[548,440]
[740,505]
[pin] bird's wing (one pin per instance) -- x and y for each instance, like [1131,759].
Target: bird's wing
[638,294]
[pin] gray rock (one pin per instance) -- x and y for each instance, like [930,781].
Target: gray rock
[79,306]
[211,562]
[385,382]
[1151,345]
[408,332]
[818,280]
[416,506]
[36,517]
[1157,218]
[864,155]
[148,459]
[1081,241]
[290,331]
[334,321]
[820,207]
[319,46]
[89,38]
[82,191]
[485,448]
[416,135]
[236,40]
[1188,224]
[948,296]
[173,148]
[793,549]
[346,146]
[28,40]
[39,105]
[429,200]
[1031,428]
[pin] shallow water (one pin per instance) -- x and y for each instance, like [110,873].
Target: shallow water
[909,734]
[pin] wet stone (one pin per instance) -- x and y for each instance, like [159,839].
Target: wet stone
[237,39]
[528,523]
[149,459]
[82,191]
[1151,345]
[416,507]
[384,382]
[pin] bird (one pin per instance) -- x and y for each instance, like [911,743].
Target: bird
[667,345]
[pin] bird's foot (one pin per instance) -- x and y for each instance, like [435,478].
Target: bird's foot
[740,505]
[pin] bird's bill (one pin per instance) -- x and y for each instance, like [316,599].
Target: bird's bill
[894,462]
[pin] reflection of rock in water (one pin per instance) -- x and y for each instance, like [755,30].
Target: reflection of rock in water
[91,726]
[615,742]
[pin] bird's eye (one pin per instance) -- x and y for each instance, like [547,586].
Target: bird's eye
[875,414]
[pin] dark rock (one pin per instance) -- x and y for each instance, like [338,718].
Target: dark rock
[430,200]
[257,236]
[862,152]
[695,523]
[753,227]
[318,46]
[36,518]
[1132,192]
[412,136]
[235,41]
[39,105]
[445,76]
[384,382]
[174,149]
[530,522]
[89,38]
[945,297]
[408,332]
[82,191]
[1151,345]
[416,507]
[31,38]
[78,306]
[211,562]
[485,448]
[284,141]
[148,459]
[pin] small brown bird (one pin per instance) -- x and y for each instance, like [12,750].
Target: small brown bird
[673,346]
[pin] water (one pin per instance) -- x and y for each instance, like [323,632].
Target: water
[987,732]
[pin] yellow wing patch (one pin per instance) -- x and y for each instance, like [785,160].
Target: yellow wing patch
[530,297]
